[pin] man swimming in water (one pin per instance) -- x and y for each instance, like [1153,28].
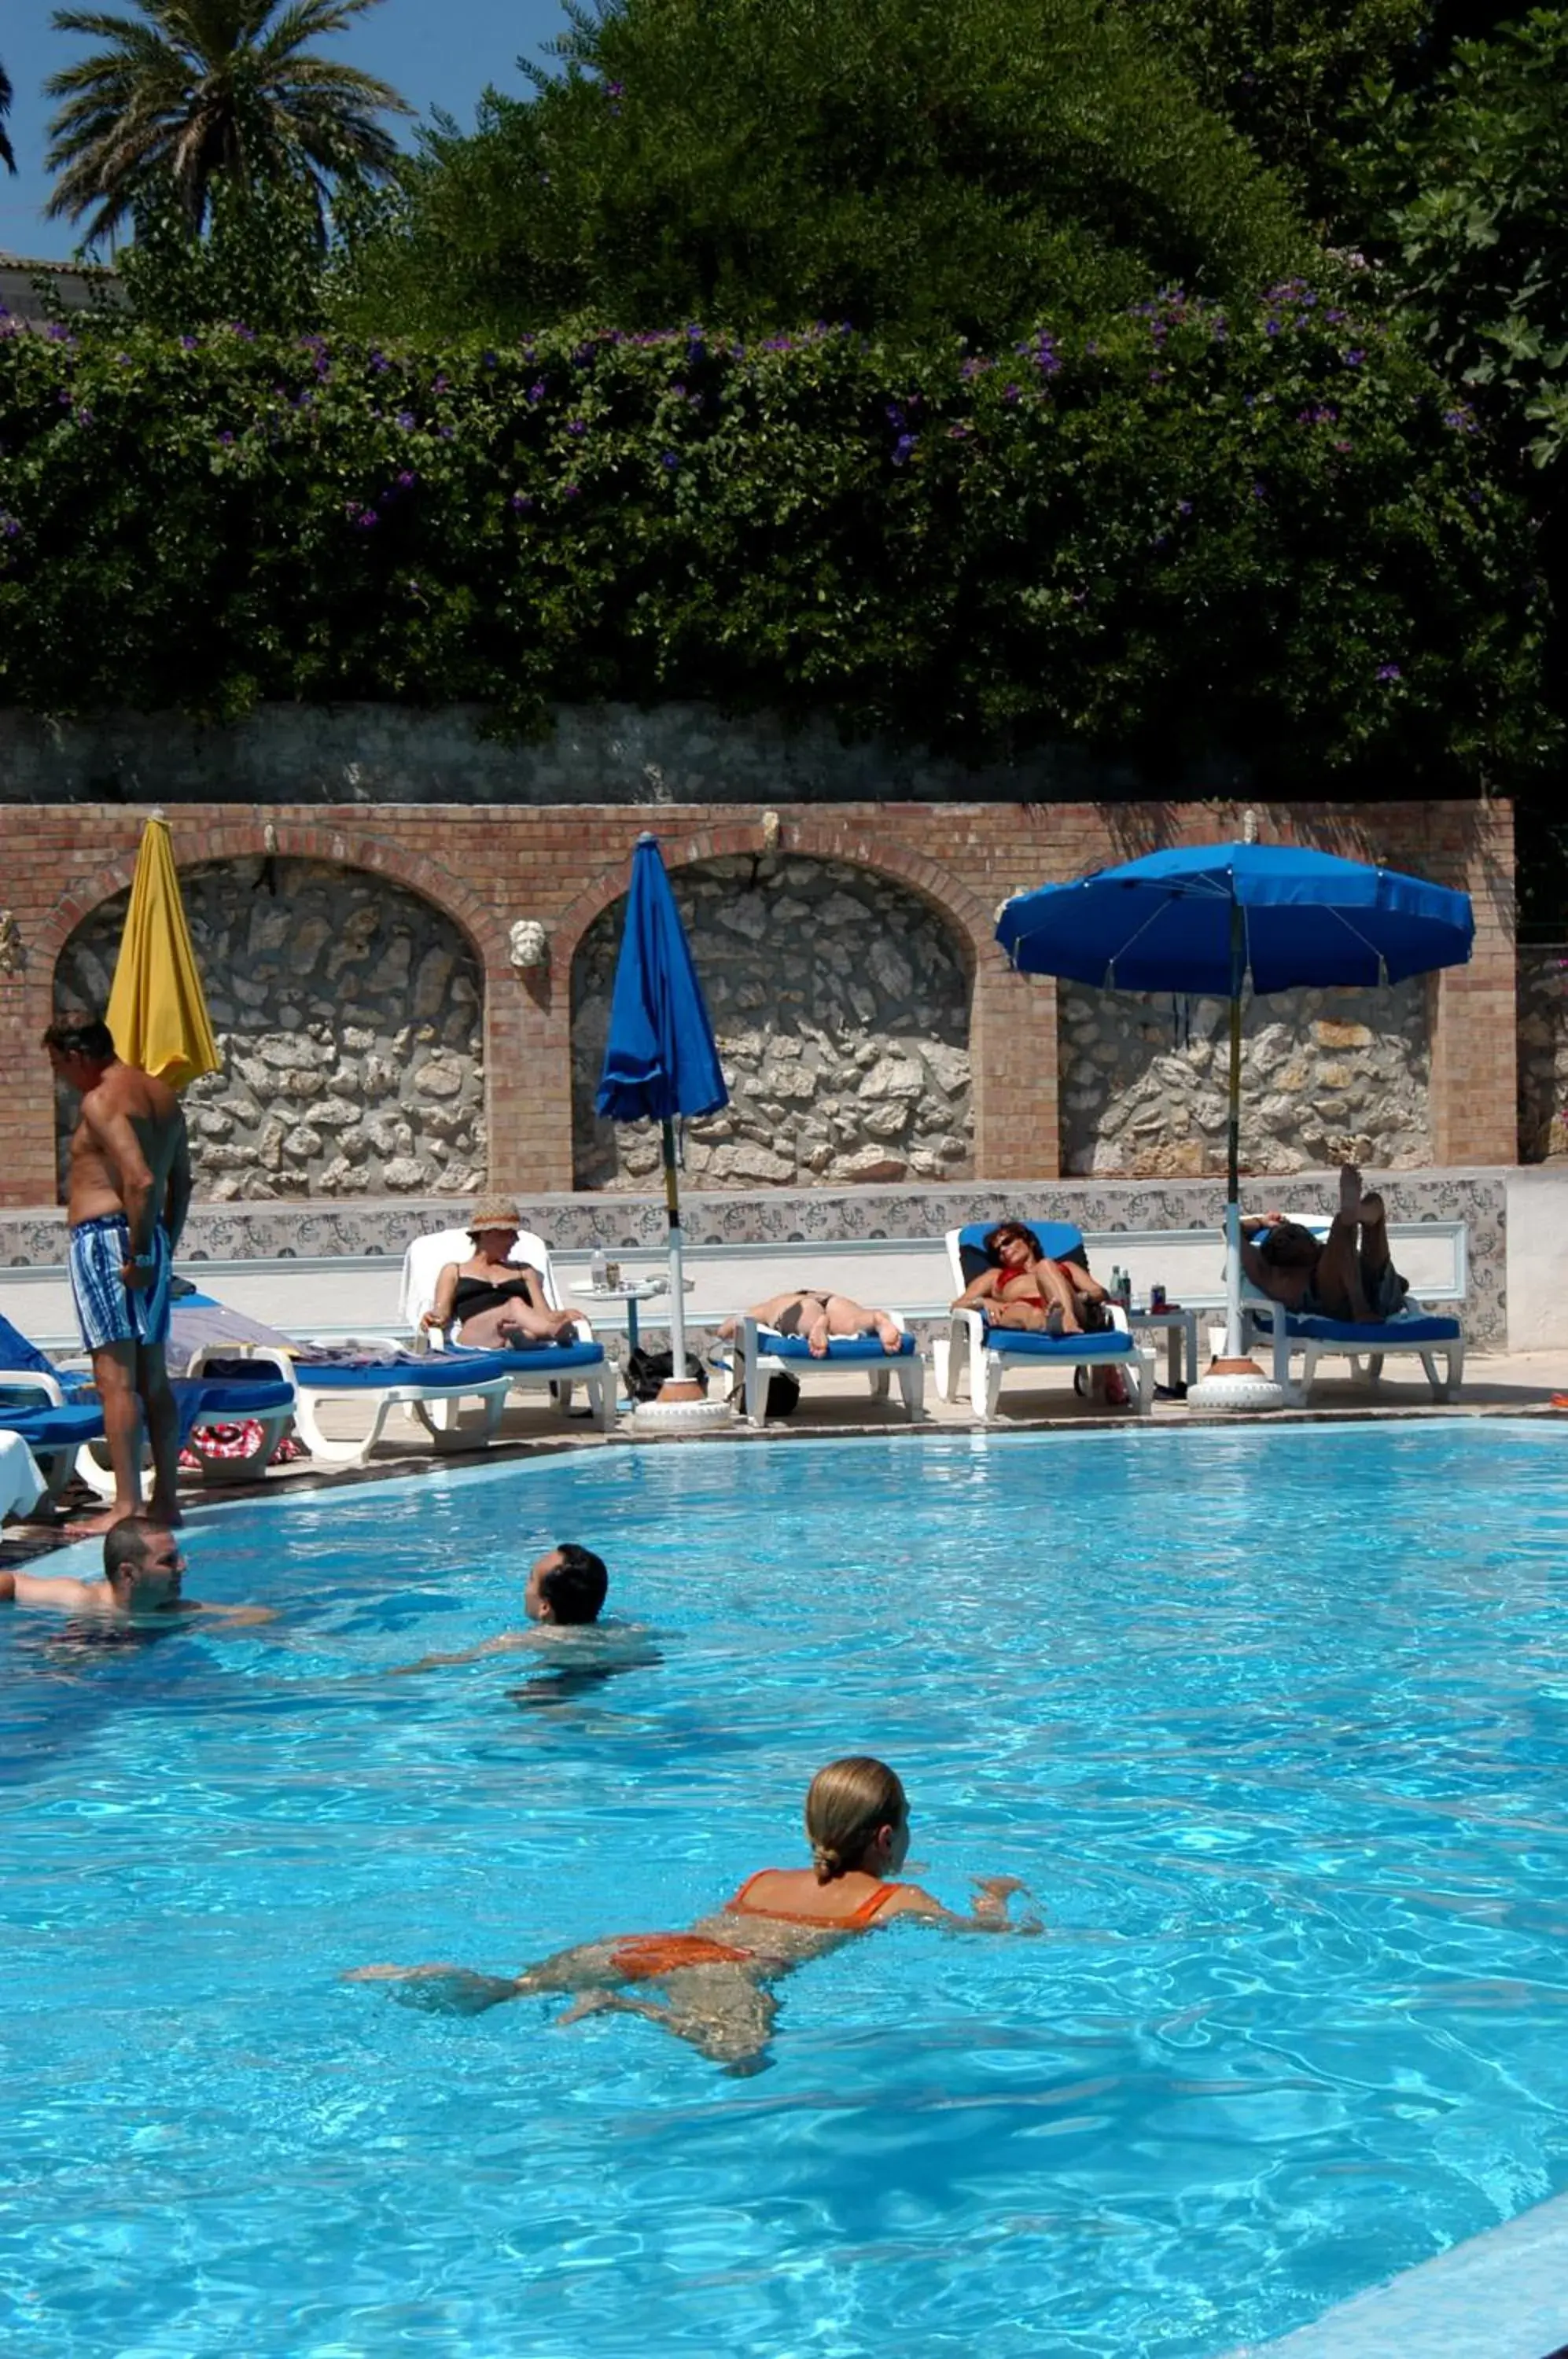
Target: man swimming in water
[565,1590]
[142,1573]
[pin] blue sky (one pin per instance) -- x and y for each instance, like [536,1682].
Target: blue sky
[437,52]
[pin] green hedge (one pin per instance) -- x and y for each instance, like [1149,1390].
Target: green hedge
[1274,537]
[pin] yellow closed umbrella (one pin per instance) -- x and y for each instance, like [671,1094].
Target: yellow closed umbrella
[157,1011]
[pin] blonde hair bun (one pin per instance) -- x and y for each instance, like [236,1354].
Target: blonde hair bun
[848,1803]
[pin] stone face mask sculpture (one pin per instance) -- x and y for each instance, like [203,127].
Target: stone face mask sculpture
[529,947]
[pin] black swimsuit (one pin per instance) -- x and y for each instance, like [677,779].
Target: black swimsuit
[475,1294]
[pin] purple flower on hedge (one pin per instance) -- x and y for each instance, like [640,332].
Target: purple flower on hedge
[84,418]
[1354,359]
[187,344]
[1271,327]
[519,501]
[670,459]
[378,363]
[571,491]
[613,89]
[1258,493]
[1010,393]
[1390,671]
[226,436]
[1183,507]
[536,392]
[246,335]
[407,480]
[902,449]
[487,360]
[9,527]
[577,426]
[960,433]
[440,384]
[446,432]
[404,420]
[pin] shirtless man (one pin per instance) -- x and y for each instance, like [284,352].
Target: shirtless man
[565,1590]
[1348,1276]
[142,1573]
[818,1316]
[129,1191]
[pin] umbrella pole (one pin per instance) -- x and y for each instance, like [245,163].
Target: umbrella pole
[680,1386]
[1233,1142]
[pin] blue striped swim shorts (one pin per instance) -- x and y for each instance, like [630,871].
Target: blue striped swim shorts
[107,1309]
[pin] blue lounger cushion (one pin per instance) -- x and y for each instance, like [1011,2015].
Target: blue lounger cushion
[1028,1343]
[205,1400]
[448,1371]
[1391,1335]
[775,1346]
[47,1428]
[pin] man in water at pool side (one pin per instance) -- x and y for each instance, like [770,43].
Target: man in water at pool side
[127,1198]
[565,1590]
[1348,1276]
[142,1573]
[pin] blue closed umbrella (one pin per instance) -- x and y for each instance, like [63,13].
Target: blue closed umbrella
[1211,918]
[659,1059]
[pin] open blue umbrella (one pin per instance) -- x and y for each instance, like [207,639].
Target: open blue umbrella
[660,1060]
[1213,918]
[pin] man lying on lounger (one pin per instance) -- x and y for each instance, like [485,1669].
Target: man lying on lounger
[818,1316]
[142,1573]
[1347,1276]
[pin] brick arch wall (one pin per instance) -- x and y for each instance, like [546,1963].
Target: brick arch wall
[487,865]
[349,1017]
[840,1001]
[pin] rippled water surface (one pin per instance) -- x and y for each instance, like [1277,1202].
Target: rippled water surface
[1274,1723]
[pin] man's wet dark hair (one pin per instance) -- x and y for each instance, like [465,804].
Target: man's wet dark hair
[125,1547]
[574,1590]
[78,1035]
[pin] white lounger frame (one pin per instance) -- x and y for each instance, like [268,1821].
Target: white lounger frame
[759,1365]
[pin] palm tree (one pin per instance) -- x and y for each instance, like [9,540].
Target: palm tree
[189,88]
[6,157]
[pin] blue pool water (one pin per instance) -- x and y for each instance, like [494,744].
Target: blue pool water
[1274,1724]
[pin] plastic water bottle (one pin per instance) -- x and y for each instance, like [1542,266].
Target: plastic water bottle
[598,1270]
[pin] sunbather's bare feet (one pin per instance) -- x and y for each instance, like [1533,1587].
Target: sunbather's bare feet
[1373,1208]
[1350,1191]
[891,1339]
[817,1338]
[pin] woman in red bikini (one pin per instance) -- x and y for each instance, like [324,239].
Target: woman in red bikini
[716,1978]
[1024,1288]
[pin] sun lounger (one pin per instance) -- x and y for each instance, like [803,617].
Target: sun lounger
[765,1354]
[990,1352]
[22,1483]
[554,1368]
[59,1415]
[1416,1332]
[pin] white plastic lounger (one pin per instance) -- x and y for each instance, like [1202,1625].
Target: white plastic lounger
[765,1354]
[62,1421]
[1416,1332]
[1423,1333]
[449,1378]
[553,1367]
[990,1352]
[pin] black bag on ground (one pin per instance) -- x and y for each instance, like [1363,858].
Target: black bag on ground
[646,1370]
[783,1392]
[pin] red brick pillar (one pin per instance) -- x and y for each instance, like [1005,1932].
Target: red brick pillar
[1013,1055]
[1474,1019]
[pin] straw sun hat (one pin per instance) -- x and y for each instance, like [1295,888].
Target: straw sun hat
[493,1212]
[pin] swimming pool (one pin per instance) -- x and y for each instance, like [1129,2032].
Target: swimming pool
[1274,1722]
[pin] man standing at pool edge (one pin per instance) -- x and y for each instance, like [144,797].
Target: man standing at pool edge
[128,1193]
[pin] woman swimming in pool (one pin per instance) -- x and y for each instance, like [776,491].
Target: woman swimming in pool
[715,1978]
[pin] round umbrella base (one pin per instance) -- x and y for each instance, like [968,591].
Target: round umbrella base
[697,1416]
[1235,1384]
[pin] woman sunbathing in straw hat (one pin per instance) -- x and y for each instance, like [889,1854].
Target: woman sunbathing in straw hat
[496,1303]
[716,1979]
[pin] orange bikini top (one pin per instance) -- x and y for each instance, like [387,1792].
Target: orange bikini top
[870,1907]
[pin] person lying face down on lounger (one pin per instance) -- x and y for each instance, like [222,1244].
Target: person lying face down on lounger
[497,1304]
[142,1573]
[716,1979]
[1347,1276]
[818,1316]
